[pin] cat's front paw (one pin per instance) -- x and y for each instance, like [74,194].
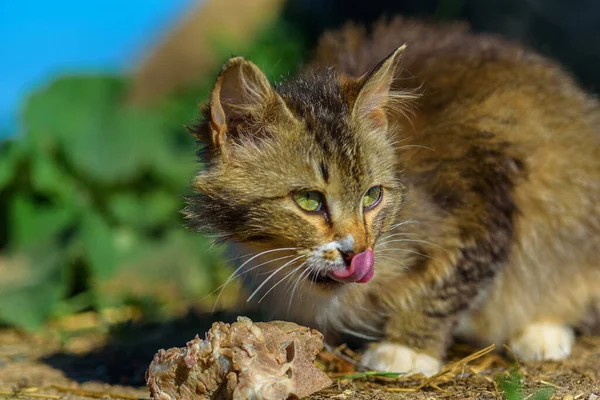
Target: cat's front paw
[543,342]
[392,357]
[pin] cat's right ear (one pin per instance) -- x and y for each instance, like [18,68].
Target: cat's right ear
[375,97]
[242,90]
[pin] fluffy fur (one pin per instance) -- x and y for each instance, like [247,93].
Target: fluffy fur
[489,223]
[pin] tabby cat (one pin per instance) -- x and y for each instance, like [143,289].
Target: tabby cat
[408,195]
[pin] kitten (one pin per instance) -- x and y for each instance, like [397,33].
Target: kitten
[406,196]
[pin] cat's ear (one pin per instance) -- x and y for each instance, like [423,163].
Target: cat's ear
[241,90]
[374,96]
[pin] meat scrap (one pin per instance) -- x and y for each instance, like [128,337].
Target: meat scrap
[244,360]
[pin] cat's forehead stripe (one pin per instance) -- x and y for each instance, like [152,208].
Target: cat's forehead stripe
[324,171]
[318,101]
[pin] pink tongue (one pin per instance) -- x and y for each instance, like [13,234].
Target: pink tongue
[360,269]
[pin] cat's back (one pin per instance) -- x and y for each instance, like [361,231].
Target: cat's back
[476,87]
[463,76]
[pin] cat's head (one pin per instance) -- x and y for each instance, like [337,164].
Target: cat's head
[304,171]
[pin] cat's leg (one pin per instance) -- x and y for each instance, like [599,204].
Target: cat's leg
[543,341]
[417,336]
[469,242]
[413,344]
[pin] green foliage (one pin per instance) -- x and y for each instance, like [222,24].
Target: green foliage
[29,300]
[367,374]
[88,167]
[512,388]
[90,194]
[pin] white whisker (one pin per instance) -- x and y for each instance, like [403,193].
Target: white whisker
[403,250]
[270,276]
[281,280]
[383,240]
[391,260]
[239,257]
[408,221]
[233,275]
[297,282]
[409,146]
[245,272]
[358,334]
[416,241]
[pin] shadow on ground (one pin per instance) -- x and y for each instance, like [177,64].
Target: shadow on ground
[131,347]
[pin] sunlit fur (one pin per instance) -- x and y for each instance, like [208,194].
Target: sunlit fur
[490,161]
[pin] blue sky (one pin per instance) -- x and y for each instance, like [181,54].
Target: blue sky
[40,39]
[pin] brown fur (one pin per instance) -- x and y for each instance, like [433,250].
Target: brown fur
[490,216]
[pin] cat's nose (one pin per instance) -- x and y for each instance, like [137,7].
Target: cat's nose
[347,256]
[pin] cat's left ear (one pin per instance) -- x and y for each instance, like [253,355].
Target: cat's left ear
[241,91]
[372,102]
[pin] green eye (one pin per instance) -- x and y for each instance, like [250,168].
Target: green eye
[372,197]
[308,200]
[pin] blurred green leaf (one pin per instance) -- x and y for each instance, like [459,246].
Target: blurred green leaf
[124,207]
[193,262]
[175,269]
[48,178]
[102,137]
[511,385]
[545,393]
[144,210]
[11,152]
[99,244]
[28,302]
[178,172]
[77,303]
[70,103]
[31,223]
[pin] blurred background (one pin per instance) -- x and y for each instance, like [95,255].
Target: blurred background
[94,157]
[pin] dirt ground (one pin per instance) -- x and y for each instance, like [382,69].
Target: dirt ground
[88,359]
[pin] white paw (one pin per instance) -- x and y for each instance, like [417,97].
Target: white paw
[543,342]
[391,357]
